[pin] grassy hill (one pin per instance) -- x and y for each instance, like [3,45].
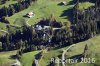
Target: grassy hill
[5,58]
[78,49]
[28,58]
[85,5]
[44,8]
[8,2]
[2,26]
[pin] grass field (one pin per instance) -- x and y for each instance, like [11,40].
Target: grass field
[2,26]
[94,47]
[46,58]
[8,2]
[44,8]
[93,44]
[85,5]
[5,58]
[28,58]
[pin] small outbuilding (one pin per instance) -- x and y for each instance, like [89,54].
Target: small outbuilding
[63,3]
[30,14]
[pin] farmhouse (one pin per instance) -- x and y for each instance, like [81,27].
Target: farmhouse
[38,27]
[41,27]
[30,14]
[63,3]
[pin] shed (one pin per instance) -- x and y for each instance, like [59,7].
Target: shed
[30,14]
[63,3]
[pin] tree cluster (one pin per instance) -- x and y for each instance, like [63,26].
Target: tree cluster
[3,1]
[14,8]
[85,25]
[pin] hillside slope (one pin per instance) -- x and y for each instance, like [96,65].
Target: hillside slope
[43,9]
[93,50]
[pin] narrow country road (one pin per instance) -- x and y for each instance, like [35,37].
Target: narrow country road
[4,31]
[64,52]
[36,62]
[13,25]
[27,22]
[17,63]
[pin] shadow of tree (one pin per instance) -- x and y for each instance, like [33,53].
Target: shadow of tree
[68,14]
[13,57]
[72,2]
[77,57]
[60,4]
[38,56]
[33,64]
[25,16]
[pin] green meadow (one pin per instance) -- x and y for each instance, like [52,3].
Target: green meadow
[43,9]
